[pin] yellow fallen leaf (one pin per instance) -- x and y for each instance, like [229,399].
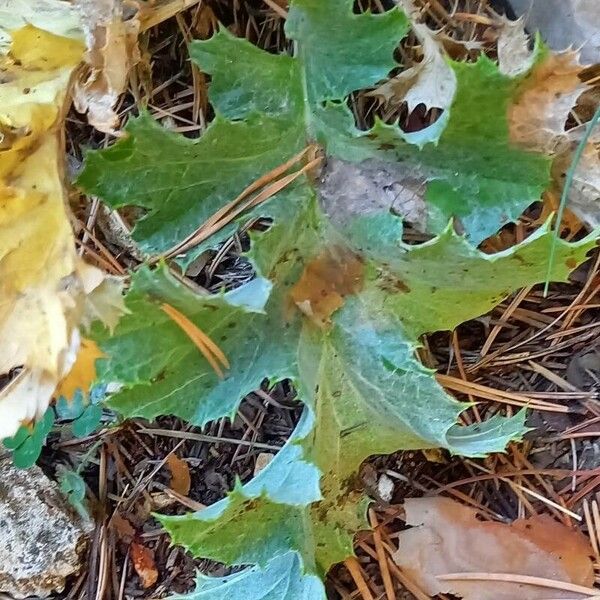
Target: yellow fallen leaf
[43,282]
[82,373]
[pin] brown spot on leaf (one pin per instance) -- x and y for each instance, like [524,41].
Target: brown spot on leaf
[336,273]
[393,285]
[571,263]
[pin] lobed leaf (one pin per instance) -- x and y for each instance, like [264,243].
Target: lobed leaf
[338,304]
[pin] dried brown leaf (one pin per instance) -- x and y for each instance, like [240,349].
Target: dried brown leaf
[122,527]
[447,537]
[537,122]
[143,563]
[111,31]
[180,474]
[537,119]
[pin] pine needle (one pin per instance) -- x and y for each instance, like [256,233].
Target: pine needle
[213,354]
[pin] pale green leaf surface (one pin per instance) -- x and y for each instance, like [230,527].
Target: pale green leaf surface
[244,77]
[283,579]
[339,51]
[160,368]
[182,182]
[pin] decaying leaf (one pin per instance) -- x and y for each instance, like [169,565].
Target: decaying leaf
[349,189]
[514,55]
[584,195]
[43,282]
[431,82]
[326,281]
[537,122]
[111,31]
[143,563]
[538,117]
[447,538]
[122,527]
[180,474]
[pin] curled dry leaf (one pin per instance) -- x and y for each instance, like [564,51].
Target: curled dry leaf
[180,474]
[111,31]
[43,282]
[514,55]
[143,563]
[447,537]
[538,117]
[431,82]
[537,122]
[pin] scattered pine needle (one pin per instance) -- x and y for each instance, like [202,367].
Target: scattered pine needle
[381,557]
[357,574]
[521,579]
[272,183]
[213,354]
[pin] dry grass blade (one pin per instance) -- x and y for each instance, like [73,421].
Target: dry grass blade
[158,12]
[521,579]
[276,8]
[213,354]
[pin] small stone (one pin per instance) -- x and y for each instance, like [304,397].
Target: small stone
[385,488]
[43,538]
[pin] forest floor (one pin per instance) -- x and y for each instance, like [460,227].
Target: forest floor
[531,351]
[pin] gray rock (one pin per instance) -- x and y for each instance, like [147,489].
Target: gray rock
[41,538]
[564,23]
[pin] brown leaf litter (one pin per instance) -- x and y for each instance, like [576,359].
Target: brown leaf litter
[180,474]
[447,538]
